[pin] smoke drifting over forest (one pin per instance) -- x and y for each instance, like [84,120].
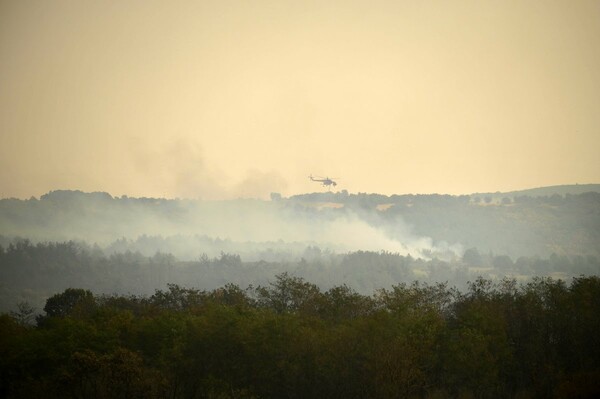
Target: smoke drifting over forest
[180,167]
[99,218]
[367,241]
[191,266]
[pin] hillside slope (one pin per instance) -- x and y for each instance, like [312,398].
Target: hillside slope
[422,225]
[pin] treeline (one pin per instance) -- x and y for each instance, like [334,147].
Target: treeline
[289,339]
[33,272]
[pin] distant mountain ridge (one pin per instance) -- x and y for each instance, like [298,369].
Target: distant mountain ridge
[572,189]
[536,222]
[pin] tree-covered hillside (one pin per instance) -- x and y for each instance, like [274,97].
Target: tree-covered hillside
[516,225]
[422,225]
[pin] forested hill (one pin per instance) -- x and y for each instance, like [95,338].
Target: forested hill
[567,189]
[514,224]
[422,225]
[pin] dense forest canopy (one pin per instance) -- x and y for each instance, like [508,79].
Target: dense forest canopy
[289,339]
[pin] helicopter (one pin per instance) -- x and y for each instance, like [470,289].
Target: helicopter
[327,182]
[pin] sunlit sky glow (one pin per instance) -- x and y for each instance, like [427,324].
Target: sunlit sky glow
[226,99]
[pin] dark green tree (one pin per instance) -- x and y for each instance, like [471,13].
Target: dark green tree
[73,301]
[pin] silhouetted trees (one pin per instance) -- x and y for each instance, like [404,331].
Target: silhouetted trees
[291,339]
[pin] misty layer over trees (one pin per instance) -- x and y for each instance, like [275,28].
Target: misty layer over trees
[33,272]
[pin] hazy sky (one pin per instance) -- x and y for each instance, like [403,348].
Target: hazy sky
[220,99]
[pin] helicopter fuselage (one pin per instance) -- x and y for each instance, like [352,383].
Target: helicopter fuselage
[326,181]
